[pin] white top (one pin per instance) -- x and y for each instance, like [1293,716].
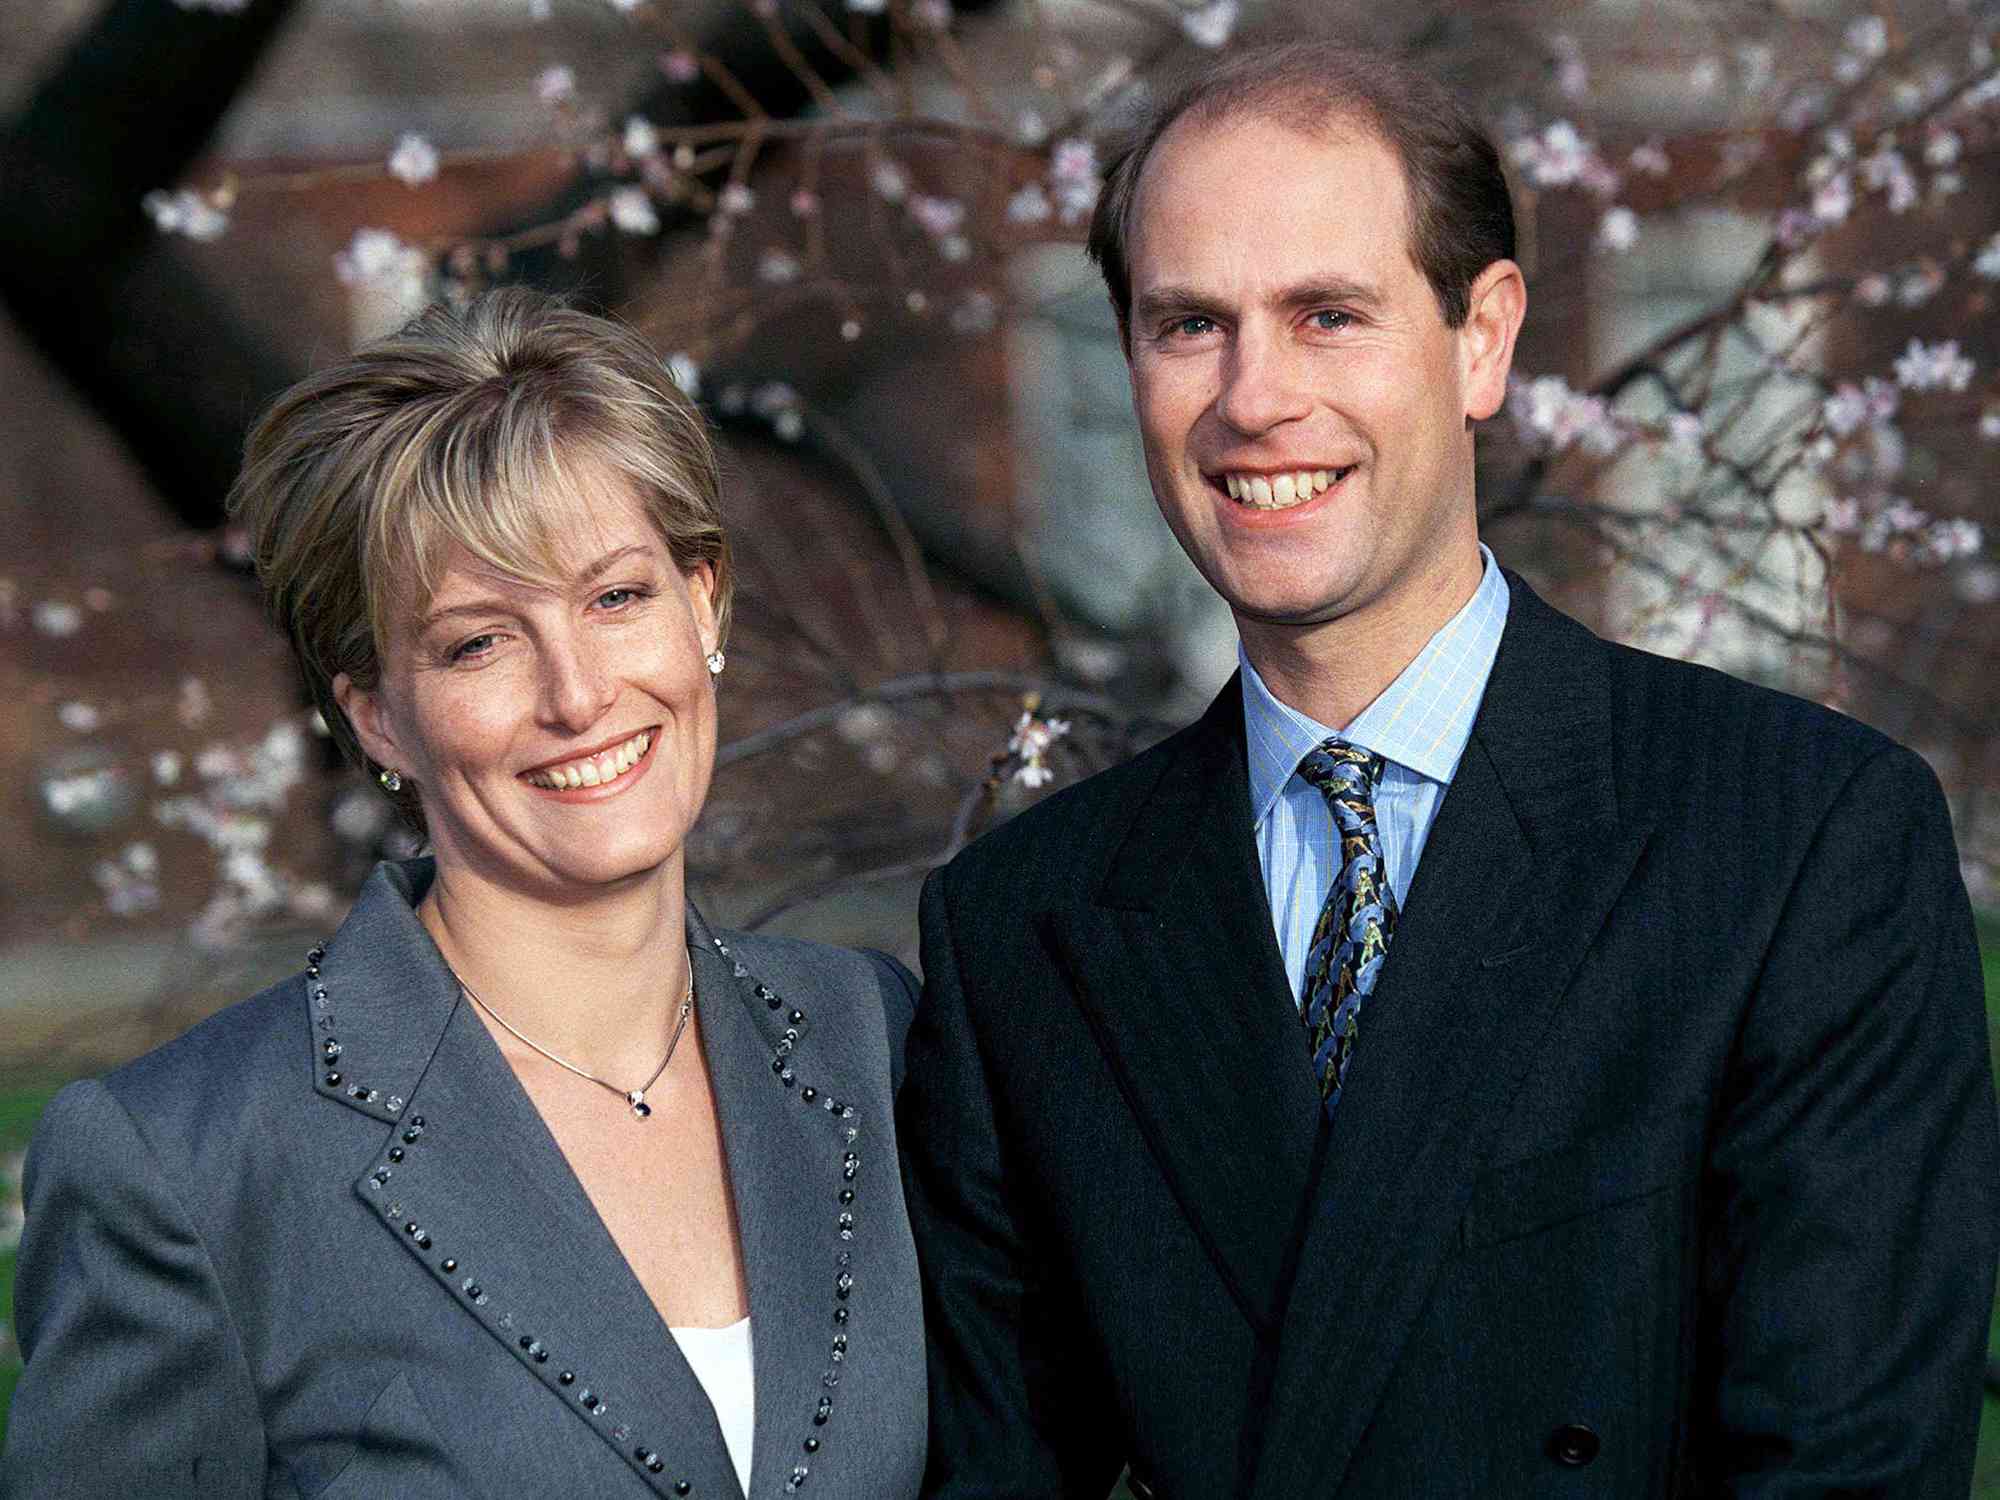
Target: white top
[721,1361]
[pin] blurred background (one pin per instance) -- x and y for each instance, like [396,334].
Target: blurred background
[1756,417]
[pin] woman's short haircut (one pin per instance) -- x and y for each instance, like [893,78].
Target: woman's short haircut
[479,426]
[1461,219]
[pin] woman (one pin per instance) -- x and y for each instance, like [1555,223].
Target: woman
[530,1183]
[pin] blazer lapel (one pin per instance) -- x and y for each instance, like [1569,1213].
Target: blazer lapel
[1177,971]
[469,1180]
[1520,870]
[805,1165]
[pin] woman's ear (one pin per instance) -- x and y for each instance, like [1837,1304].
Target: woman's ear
[371,724]
[701,599]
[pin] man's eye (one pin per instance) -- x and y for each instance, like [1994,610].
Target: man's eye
[1191,327]
[1331,320]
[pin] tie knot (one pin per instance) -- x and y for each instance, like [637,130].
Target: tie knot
[1346,776]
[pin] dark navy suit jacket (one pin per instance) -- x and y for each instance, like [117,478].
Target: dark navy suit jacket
[324,1246]
[1666,1164]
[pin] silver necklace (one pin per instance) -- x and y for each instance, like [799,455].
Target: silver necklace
[636,1098]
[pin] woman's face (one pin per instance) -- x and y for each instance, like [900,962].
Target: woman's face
[561,739]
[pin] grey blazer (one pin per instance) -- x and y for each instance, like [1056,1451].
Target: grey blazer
[323,1246]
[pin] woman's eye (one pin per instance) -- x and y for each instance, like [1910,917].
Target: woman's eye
[617,598]
[479,645]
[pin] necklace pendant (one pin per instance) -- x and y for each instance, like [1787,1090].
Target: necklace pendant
[637,1099]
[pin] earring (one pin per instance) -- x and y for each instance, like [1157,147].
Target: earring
[715,661]
[392,781]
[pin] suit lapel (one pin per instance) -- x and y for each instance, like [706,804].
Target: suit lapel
[1521,867]
[1176,968]
[805,1165]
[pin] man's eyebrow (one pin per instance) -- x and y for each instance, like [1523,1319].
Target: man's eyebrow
[490,603]
[1322,290]
[1165,303]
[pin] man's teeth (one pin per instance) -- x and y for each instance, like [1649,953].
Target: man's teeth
[594,770]
[1276,491]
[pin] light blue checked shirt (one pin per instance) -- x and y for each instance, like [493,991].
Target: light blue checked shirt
[1419,726]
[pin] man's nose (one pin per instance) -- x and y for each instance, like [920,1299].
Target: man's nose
[1264,383]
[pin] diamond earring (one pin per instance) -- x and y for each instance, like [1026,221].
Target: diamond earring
[715,661]
[392,781]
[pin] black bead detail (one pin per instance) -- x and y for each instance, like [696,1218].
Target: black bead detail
[331,1047]
[333,1080]
[809,1094]
[568,1377]
[526,1341]
[682,1487]
[395,1153]
[812,1445]
[423,1242]
[840,1315]
[846,1194]
[653,1462]
[797,1018]
[448,1265]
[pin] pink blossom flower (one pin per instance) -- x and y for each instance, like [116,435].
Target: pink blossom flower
[937,216]
[804,203]
[735,200]
[680,65]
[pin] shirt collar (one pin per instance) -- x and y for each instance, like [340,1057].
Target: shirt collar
[1421,721]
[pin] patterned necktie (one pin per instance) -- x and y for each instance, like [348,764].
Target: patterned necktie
[1351,937]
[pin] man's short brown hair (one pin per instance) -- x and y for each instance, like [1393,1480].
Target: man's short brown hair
[1461,219]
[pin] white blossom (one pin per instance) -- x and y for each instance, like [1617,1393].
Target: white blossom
[735,200]
[414,162]
[632,210]
[1758,63]
[1211,25]
[1561,157]
[1032,740]
[1868,36]
[1852,407]
[778,267]
[1619,229]
[1030,205]
[1951,538]
[890,181]
[1074,176]
[1885,171]
[555,85]
[977,311]
[934,15]
[1941,147]
[1833,199]
[868,7]
[626,7]
[1873,289]
[53,617]
[1987,261]
[685,373]
[680,65]
[1551,416]
[378,258]
[79,717]
[641,140]
[166,766]
[185,212]
[1649,158]
[937,216]
[1572,73]
[1705,77]
[1939,366]
[1989,424]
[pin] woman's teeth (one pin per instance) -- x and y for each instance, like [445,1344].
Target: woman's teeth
[594,770]
[1277,491]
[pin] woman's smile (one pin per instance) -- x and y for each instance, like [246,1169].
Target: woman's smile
[596,774]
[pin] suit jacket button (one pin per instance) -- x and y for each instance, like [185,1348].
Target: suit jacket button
[1573,1445]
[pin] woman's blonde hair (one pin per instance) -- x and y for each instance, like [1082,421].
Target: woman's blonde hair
[473,426]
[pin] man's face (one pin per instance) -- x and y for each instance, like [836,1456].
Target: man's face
[1303,405]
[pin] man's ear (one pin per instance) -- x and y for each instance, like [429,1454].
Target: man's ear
[1497,303]
[371,725]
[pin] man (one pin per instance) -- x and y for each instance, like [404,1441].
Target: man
[1475,1059]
